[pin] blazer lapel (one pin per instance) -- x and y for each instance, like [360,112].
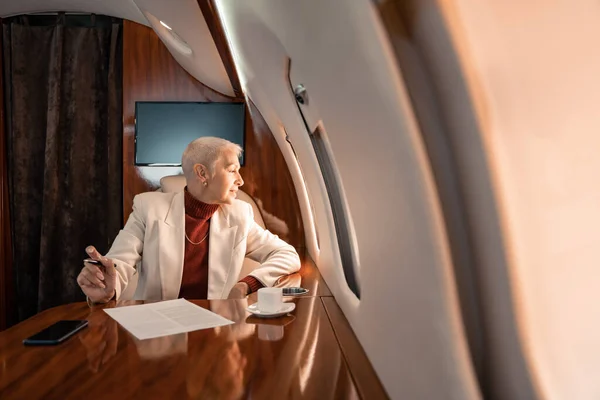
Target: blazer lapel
[220,250]
[172,247]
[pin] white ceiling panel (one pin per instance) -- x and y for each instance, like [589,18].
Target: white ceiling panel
[199,58]
[186,20]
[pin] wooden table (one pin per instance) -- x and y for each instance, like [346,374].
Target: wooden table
[296,356]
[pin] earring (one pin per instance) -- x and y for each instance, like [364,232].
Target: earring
[204,183]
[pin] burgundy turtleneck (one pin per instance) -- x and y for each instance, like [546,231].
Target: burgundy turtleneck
[194,282]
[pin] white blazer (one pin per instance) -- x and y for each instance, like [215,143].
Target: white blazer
[152,244]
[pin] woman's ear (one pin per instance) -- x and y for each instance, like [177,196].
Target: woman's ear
[201,172]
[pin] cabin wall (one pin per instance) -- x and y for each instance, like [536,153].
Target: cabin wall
[407,318]
[151,74]
[532,71]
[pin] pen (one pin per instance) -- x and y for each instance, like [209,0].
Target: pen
[95,262]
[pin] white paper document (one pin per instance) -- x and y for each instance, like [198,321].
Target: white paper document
[164,318]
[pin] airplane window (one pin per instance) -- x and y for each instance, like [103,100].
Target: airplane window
[340,218]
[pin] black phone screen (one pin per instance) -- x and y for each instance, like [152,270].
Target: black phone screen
[56,333]
[294,291]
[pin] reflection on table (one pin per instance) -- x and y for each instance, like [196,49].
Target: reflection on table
[292,356]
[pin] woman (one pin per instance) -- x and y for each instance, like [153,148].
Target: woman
[191,244]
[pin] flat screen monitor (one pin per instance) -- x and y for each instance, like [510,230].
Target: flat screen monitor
[164,129]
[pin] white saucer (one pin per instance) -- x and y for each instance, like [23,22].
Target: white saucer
[285,308]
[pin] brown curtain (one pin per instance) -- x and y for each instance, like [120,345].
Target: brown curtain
[63,88]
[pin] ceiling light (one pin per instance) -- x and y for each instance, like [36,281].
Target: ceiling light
[167,35]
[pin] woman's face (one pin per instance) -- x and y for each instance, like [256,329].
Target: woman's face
[223,183]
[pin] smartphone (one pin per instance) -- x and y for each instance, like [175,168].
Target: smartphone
[294,291]
[56,333]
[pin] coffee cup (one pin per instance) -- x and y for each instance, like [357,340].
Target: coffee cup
[270,299]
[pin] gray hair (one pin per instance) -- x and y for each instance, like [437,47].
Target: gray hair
[206,151]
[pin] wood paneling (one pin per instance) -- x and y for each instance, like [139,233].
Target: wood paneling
[296,356]
[151,74]
[217,32]
[312,278]
[6,275]
[268,181]
[368,384]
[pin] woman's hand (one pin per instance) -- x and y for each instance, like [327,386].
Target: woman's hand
[98,282]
